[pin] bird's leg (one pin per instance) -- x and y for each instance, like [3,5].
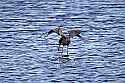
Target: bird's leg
[62,50]
[67,53]
[67,50]
[58,47]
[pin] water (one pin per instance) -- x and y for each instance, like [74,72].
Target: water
[27,57]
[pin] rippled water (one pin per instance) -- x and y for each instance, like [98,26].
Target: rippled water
[27,57]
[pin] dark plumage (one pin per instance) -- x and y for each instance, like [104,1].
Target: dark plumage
[65,39]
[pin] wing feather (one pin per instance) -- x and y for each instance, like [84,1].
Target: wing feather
[57,30]
[75,32]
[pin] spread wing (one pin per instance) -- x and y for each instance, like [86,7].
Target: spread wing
[75,32]
[57,30]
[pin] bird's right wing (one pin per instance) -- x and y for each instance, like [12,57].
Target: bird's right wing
[57,30]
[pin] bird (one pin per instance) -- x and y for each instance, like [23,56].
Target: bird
[65,40]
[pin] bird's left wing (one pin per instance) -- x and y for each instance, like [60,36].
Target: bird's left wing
[76,32]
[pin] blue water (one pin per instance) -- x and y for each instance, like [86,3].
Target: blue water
[27,57]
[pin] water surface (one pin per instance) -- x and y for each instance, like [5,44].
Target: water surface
[27,57]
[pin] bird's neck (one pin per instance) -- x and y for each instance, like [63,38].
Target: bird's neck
[66,36]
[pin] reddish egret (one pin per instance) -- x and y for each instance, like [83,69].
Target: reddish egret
[65,39]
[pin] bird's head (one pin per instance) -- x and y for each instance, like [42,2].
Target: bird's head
[59,30]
